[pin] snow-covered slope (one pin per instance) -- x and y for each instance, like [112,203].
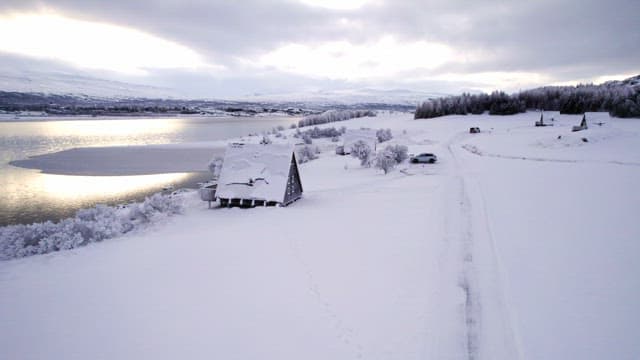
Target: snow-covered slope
[61,83]
[520,243]
[69,84]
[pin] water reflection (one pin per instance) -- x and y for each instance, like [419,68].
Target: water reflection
[27,195]
[30,196]
[109,129]
[64,187]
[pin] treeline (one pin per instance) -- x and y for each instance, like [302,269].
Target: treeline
[333,116]
[619,98]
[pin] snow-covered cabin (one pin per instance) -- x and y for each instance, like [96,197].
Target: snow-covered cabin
[354,135]
[259,175]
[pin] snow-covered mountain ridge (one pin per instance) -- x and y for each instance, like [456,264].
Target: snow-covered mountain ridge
[80,86]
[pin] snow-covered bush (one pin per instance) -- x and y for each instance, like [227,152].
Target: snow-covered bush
[390,157]
[215,166]
[89,225]
[399,152]
[155,206]
[307,153]
[385,161]
[384,135]
[363,152]
[266,140]
[307,139]
[317,133]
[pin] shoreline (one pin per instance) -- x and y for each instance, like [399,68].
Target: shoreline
[10,118]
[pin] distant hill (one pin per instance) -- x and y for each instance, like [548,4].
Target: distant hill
[350,96]
[55,83]
[61,93]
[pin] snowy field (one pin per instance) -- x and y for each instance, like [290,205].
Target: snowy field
[520,243]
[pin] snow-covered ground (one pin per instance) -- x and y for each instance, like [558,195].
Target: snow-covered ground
[517,244]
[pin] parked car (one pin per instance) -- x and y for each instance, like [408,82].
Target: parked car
[424,158]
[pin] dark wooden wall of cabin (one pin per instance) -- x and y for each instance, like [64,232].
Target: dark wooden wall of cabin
[294,185]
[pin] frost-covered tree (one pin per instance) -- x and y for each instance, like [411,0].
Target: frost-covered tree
[363,152]
[317,133]
[399,152]
[215,165]
[384,135]
[619,98]
[334,115]
[307,153]
[391,156]
[385,161]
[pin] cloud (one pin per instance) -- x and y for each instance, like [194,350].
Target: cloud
[481,44]
[93,45]
[343,60]
[336,4]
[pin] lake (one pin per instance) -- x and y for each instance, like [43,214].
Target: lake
[28,196]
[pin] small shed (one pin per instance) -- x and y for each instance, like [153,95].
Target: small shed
[541,121]
[583,124]
[474,130]
[259,175]
[352,136]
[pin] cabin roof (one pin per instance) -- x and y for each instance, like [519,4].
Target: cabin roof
[258,172]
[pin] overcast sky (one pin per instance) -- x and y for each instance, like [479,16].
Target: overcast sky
[209,48]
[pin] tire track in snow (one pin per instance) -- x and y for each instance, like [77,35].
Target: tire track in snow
[474,150]
[489,330]
[460,221]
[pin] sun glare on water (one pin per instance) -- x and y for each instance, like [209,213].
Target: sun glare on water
[63,187]
[114,128]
